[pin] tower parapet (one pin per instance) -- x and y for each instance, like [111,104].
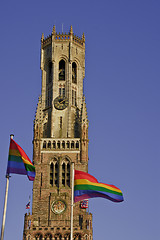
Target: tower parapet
[62,37]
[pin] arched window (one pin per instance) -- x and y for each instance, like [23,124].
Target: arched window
[62,70]
[49,144]
[77,145]
[68,144]
[44,144]
[54,174]
[66,173]
[63,144]
[72,144]
[63,174]
[58,144]
[74,72]
[54,144]
[51,173]
[56,181]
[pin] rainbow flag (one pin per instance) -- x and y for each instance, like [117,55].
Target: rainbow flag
[87,186]
[18,162]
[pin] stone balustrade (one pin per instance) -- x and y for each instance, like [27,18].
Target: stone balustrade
[64,144]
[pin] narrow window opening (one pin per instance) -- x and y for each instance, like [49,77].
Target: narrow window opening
[60,122]
[49,144]
[63,174]
[44,144]
[54,144]
[56,175]
[74,72]
[72,144]
[62,70]
[41,179]
[51,174]
[58,144]
[68,144]
[68,175]
[77,145]
[63,144]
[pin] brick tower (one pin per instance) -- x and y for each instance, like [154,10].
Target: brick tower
[60,138]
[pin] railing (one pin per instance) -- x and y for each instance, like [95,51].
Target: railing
[60,144]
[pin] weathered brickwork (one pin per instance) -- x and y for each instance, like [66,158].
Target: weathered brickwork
[60,138]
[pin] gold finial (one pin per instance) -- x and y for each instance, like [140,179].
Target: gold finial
[83,37]
[42,38]
[71,30]
[54,30]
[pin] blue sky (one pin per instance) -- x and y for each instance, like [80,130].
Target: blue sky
[122,89]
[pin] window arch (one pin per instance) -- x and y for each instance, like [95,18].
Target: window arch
[62,70]
[74,72]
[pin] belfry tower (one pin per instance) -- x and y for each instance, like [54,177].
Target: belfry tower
[60,138]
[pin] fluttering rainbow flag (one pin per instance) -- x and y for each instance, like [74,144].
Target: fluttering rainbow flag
[87,186]
[19,162]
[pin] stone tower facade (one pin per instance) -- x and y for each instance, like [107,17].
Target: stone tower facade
[60,138]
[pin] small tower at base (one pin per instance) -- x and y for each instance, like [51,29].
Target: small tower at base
[60,138]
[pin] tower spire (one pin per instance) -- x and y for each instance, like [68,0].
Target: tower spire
[71,30]
[54,29]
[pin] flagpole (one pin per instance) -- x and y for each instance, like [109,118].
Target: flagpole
[72,201]
[5,201]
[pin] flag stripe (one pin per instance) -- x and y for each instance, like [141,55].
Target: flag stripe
[95,188]
[17,170]
[18,161]
[87,186]
[84,195]
[86,182]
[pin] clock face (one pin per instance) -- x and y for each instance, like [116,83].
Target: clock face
[58,206]
[60,102]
